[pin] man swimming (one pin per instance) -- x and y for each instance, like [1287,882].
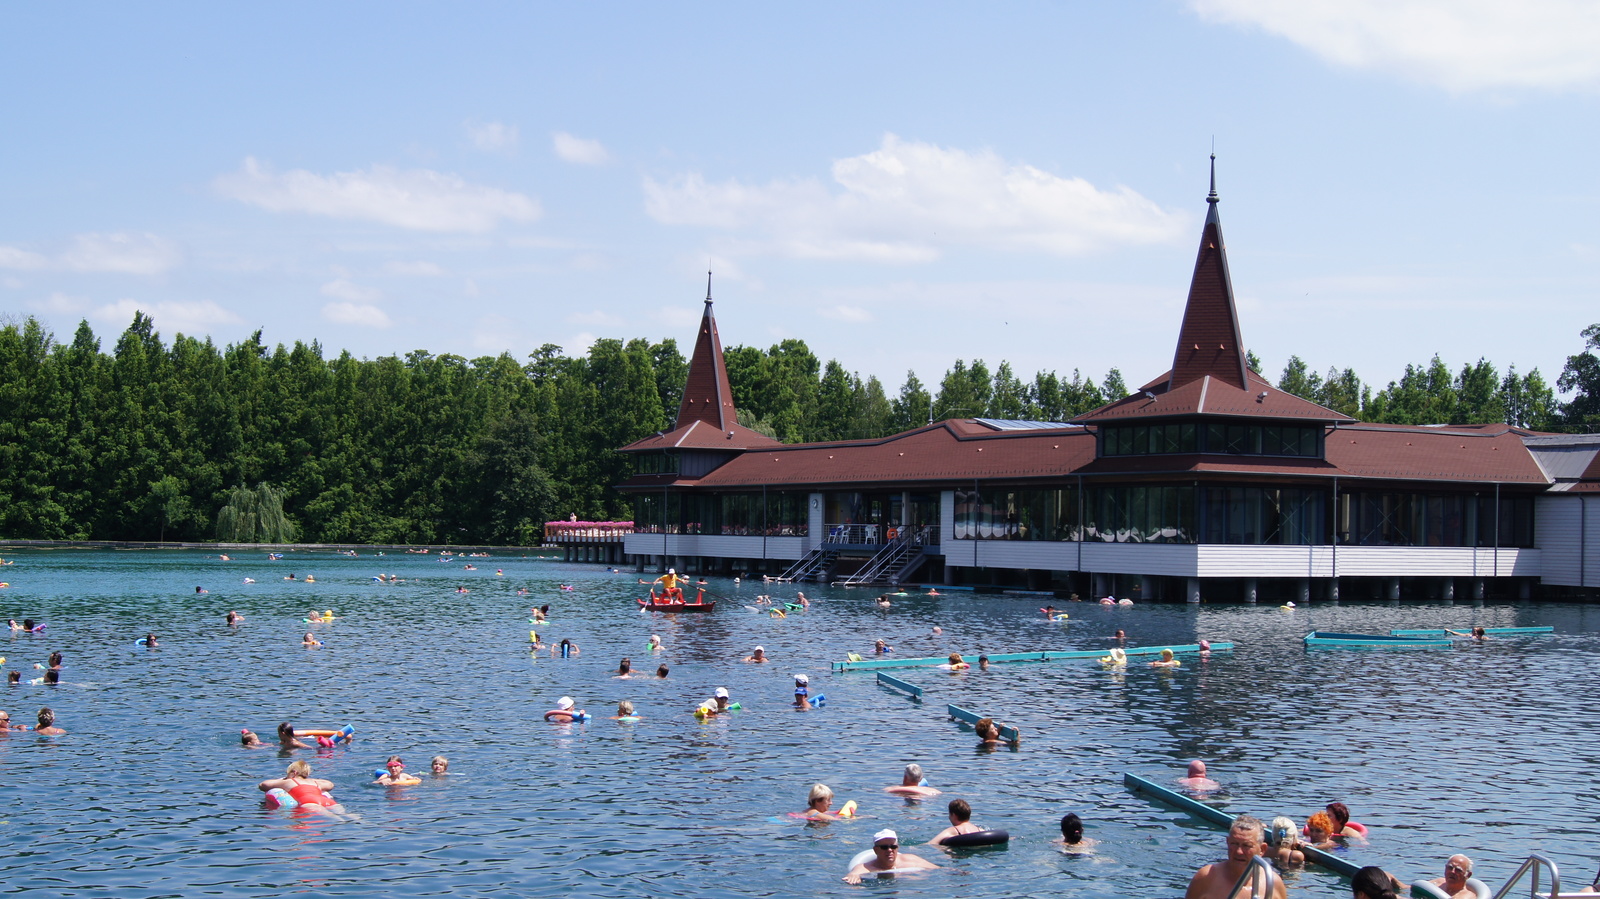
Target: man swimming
[886,857]
[1197,779]
[1454,882]
[1216,880]
[910,785]
[960,822]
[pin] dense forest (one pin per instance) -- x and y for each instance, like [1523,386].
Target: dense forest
[190,441]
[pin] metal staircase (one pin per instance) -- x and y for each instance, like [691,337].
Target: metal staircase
[813,566]
[891,564]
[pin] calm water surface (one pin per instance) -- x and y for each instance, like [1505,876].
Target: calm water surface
[1484,749]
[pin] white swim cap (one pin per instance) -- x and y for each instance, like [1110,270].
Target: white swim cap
[761,649]
[722,693]
[564,702]
[885,834]
[801,679]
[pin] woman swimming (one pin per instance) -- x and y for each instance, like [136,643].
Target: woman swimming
[309,791]
[395,774]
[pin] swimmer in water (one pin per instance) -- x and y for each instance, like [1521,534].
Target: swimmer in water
[234,618]
[955,663]
[1120,636]
[1166,660]
[249,740]
[1197,779]
[879,647]
[910,785]
[886,856]
[55,665]
[989,735]
[287,739]
[655,643]
[52,677]
[310,640]
[624,710]
[149,641]
[1217,880]
[565,648]
[983,663]
[14,678]
[758,655]
[395,774]
[310,792]
[564,711]
[624,670]
[883,601]
[439,765]
[960,812]
[47,723]
[802,695]
[199,590]
[1072,833]
[819,802]
[661,673]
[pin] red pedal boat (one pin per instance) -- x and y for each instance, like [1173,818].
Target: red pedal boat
[655,605]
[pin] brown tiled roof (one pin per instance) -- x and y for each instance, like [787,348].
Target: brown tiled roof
[1210,396]
[702,435]
[960,451]
[707,396]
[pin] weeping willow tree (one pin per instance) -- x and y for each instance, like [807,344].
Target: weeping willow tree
[255,516]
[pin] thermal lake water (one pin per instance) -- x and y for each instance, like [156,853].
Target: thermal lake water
[1483,749]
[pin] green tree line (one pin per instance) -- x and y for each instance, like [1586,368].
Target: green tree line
[191,441]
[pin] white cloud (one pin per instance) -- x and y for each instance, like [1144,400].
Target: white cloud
[843,313]
[907,202]
[596,318]
[133,254]
[494,137]
[59,303]
[1461,45]
[418,199]
[414,269]
[170,317]
[363,315]
[680,318]
[341,289]
[580,151]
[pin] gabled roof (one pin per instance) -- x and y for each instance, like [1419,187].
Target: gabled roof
[707,395]
[699,435]
[1210,396]
[1209,374]
[707,419]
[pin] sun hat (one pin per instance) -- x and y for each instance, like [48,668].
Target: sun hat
[722,692]
[801,679]
[564,702]
[885,834]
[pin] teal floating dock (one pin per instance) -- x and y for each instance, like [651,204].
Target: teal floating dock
[1041,656]
[1509,631]
[895,683]
[1389,641]
[1217,816]
[960,714]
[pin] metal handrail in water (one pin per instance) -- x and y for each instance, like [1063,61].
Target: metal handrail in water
[1259,875]
[1534,862]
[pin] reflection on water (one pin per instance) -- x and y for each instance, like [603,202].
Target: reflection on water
[1481,749]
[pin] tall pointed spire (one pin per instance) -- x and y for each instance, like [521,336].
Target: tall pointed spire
[1209,341]
[707,395]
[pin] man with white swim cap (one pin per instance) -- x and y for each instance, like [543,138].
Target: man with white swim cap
[1454,881]
[886,857]
[802,692]
[758,656]
[1216,880]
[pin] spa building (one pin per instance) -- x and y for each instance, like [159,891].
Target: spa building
[1207,483]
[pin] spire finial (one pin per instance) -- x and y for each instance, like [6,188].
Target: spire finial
[708,285]
[1212,197]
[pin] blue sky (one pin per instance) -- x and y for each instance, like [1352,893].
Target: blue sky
[898,184]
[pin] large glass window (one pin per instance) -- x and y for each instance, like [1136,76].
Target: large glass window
[1162,513]
[1419,519]
[655,463]
[1232,438]
[1264,516]
[1014,513]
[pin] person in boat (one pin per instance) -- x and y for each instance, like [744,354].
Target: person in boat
[758,655]
[1373,882]
[1072,833]
[910,785]
[1197,779]
[309,791]
[1283,842]
[886,856]
[1454,882]
[395,775]
[1216,880]
[286,738]
[960,822]
[625,669]
[670,591]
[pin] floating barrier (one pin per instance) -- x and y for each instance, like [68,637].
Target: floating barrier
[1007,732]
[1044,656]
[1440,632]
[1213,815]
[895,683]
[1329,638]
